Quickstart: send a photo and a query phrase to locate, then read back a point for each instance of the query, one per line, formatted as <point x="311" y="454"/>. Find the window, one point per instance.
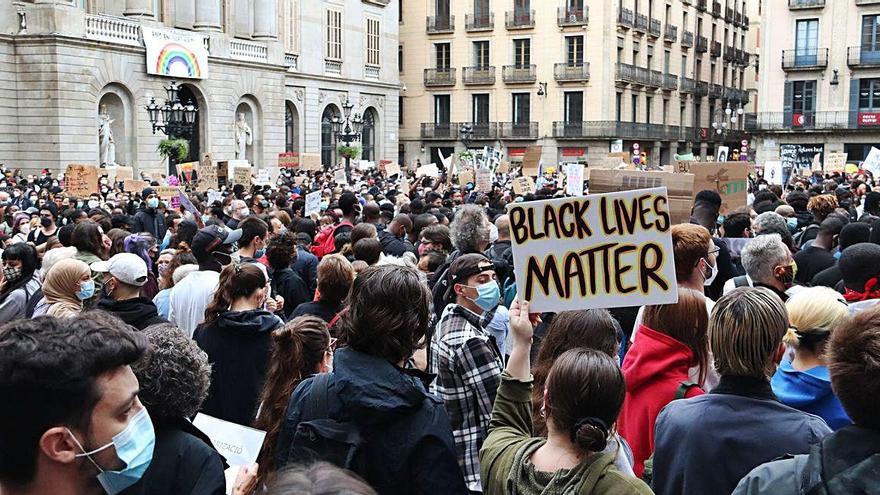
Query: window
<point x="442" y="10"/>
<point x="481" y="11"/>
<point x="665" y="111"/>
<point x="443" y="55"/>
<point x="806" y="42"/>
<point x="619" y="107"/>
<point x="290" y="31"/>
<point x="521" y="9"/>
<point x="328" y="137"/>
<point x="871" y="36"/>
<point x="684" y="20"/>
<point x="400" y="110"/>
<point x="698" y="114"/>
<point x="522" y="53"/>
<point x="634" y="110"/>
<point x="803" y="102"/>
<point x="869" y="94"/>
<point x="400" y="14"/>
<point x="333" y="40"/>
<point x="481" y="109"/>
<point x="373" y="30"/>
<point x="682" y="110"/>
<point x="649" y="102"/>
<point x="441" y="109"/>
<point x="522" y="108"/>
<point x="574" y="107"/>
<point x="290" y="128"/>
<point x="481" y="54"/>
<point x="667" y="55"/>
<point x="368" y="137"/>
<point x="400" y="59"/>
<point x="574" y="52"/>
<point x="684" y="65"/>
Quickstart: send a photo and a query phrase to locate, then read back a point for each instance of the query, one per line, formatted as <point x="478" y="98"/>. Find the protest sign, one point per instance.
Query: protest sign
<point x="872" y="162"/>
<point x="239" y="445"/>
<point x="186" y="170"/>
<point x="531" y="160"/>
<point x="728" y="179"/>
<point x="596" y="251"/>
<point x="339" y="177"/>
<point x="835" y="162"/>
<point x="466" y="177"/>
<point x="166" y="192"/>
<point x="313" y="203"/>
<point x="288" y="160"/>
<point x="274" y="174"/>
<point x="135" y="186"/>
<point x="364" y="165"/>
<point x="523" y="185"/>
<point x="207" y="177"/>
<point x="298" y="180"/>
<point x="429" y="170"/>
<point x="773" y="172"/>
<point x="851" y="168"/>
<point x="574" y="179"/>
<point x="504" y="167"/>
<point x="679" y="187"/>
<point x="215" y="196"/>
<point x="81" y="180"/>
<point x="404" y="186"/>
<point x="187" y="204"/>
<point x="124" y="173"/>
<point x="242" y="175"/>
<point x="263" y="177"/>
<point x="392" y="169"/>
<point x="222" y="173"/>
<point x="484" y="180"/>
<point x="311" y="161"/>
<point x="721" y="153"/>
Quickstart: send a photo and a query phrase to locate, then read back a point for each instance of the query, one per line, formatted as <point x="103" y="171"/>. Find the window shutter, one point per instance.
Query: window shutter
<point x="787" y="104"/>
<point x="854" y="102"/>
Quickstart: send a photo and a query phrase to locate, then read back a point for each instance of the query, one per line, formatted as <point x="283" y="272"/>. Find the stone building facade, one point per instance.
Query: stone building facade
<point x="287" y="65"/>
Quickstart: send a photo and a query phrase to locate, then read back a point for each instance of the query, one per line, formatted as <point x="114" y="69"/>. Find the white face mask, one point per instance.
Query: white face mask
<point x="708" y="281"/>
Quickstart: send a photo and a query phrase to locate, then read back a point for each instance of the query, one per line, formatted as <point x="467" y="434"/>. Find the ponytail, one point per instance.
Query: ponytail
<point x="237" y="280"/>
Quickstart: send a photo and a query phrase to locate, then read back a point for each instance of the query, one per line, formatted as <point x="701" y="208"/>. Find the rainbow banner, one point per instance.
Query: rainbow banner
<point x="173" y="53"/>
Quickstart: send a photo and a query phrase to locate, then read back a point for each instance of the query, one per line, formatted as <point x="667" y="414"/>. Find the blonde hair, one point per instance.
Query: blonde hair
<point x="745" y="330"/>
<point x="816" y="310"/>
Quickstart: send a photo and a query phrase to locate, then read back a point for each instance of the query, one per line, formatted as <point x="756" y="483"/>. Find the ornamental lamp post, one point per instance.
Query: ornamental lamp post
<point x="347" y="129"/>
<point x="174" y="118"/>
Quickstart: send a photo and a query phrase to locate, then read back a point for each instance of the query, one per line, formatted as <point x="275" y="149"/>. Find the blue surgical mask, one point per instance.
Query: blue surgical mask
<point x="792" y="224"/>
<point x="488" y="295"/>
<point x="134" y="446"/>
<point x="153" y="203"/>
<point x="259" y="253"/>
<point x="86" y="290"/>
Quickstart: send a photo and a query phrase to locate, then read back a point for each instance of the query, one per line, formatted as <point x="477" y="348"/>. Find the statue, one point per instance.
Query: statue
<point x="105" y="138"/>
<point x="243" y="137"/>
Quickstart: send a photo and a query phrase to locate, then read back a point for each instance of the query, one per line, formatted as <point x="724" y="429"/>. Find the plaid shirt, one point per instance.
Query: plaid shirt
<point x="468" y="367"/>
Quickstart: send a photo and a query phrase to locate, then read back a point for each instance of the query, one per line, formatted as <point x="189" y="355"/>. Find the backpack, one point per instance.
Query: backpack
<point x="741" y="281"/>
<point x="798" y="238"/>
<point x="858" y="478"/>
<point x="320" y="438"/>
<point x="680" y="393"/>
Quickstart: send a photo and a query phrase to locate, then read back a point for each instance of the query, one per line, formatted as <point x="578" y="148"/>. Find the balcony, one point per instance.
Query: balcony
<point x="440" y="24"/>
<point x="655" y="79"/>
<point x="569" y="72"/>
<point x="737" y="18"/>
<point x="252" y="51"/>
<point x="439" y="77"/>
<point x="671" y="34"/>
<point x="812" y="121"/>
<point x="745" y="23"/>
<point x="519" y="19"/>
<point x="446" y="131"/>
<point x="624" y="18"/>
<point x="687" y="39"/>
<point x="612" y="129"/>
<point x="858" y="57"/>
<point x="728" y="15"/>
<point x="372" y="72"/>
<point x="867" y="2"/>
<point x="474" y="23"/>
<point x="805" y="4"/>
<point x="654" y="28"/>
<point x="729" y="54"/>
<point x="701" y="5"/>
<point x="687" y="86"/>
<point x="701" y="89"/>
<point x="625" y="73"/>
<point x="715" y="90"/>
<point x="113" y="29"/>
<point x="483" y="131"/>
<point x="476" y="76"/>
<point x="715" y="50"/>
<point x="812" y="59"/>
<point x="716" y="10"/>
<point x="519" y="130"/>
<point x="518" y="74"/>
<point x="572" y="17"/>
<point x="333" y="67"/>
<point x="640" y="25"/>
<point x="291" y="61"/>
<point x="670" y="82"/>
<point x="702" y="44"/>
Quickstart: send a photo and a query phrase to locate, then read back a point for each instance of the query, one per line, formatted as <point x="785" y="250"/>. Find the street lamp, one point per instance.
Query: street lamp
<point x="174" y="118"/>
<point x="721" y="119"/>
<point x="347" y="129"/>
<point x="466" y="132"/>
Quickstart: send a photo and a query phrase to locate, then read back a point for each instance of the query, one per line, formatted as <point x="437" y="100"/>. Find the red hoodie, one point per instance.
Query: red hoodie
<point x="653" y="369"/>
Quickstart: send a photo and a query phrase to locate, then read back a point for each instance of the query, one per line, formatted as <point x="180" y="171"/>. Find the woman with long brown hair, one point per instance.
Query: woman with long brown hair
<point x="236" y="335"/>
<point x="300" y="349"/>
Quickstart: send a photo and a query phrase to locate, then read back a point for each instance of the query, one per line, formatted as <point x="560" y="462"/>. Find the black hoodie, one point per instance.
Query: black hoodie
<point x="139" y="312"/>
<point x="238" y="344"/>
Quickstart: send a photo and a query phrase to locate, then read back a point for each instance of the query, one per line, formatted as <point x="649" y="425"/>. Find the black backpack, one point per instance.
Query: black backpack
<point x="320" y="438"/>
<point x="680" y="393"/>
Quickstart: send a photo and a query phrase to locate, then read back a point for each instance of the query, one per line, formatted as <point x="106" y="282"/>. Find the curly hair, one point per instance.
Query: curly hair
<point x="174" y="374"/>
<point x="469" y="230"/>
<point x="822" y="205"/>
<point x="281" y="251"/>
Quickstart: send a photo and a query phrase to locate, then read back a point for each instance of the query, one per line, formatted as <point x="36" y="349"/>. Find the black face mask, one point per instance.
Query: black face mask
<point x="45" y="221"/>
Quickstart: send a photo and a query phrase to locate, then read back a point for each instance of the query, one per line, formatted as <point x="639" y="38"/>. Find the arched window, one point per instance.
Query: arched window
<point x="291" y="128"/>
<point x="368" y="136"/>
<point x="328" y="138"/>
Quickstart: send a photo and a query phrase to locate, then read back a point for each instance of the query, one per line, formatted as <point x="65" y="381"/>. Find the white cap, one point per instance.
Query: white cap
<point x="128" y="268"/>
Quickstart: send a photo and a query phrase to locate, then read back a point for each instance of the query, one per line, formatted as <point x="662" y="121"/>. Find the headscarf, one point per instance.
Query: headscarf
<point x="60" y="287"/>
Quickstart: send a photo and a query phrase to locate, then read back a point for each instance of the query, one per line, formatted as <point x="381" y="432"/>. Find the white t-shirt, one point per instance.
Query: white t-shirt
<point x="190" y="298"/>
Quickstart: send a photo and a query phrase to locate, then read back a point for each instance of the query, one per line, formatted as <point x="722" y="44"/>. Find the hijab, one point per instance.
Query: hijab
<point x="60" y="287"/>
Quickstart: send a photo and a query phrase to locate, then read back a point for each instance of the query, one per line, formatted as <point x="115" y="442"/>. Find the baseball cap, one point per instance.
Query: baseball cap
<point x="127" y="267"/>
<point x="208" y="238"/>
<point x="468" y="265"/>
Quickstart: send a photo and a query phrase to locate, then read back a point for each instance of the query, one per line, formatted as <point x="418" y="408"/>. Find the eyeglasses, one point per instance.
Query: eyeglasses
<point x="331" y="348"/>
<point x="714" y="251"/>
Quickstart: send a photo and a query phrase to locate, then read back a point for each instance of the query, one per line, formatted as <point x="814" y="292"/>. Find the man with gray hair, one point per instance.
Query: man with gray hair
<point x="773" y="223"/>
<point x="469" y="232"/>
<point x="768" y="263"/>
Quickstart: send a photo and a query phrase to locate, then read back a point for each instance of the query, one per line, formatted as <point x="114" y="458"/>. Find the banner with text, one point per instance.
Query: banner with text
<point x="175" y="53"/>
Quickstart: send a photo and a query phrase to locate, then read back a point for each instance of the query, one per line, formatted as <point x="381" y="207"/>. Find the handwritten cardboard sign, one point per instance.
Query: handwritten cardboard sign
<point x="313" y="203"/>
<point x="574" y="179"/>
<point x="311" y="161"/>
<point x="835" y="162"/>
<point x="208" y="178"/>
<point x="136" y="186"/>
<point x="597" y="251"/>
<point x="124" y="173"/>
<point x="679" y="187"/>
<point x="166" y="192"/>
<point x="728" y="179"/>
<point x="238" y="444"/>
<point x="289" y="159"/>
<point x="531" y="160"/>
<point x="429" y="170"/>
<point x="242" y="175"/>
<point x="523" y="185"/>
<point x="81" y="180"/>
<point x="392" y="169"/>
<point x="484" y="180"/>
<point x="466" y="177"/>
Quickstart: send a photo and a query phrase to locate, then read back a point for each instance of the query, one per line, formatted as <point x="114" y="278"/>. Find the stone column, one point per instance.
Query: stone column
<point x="704" y="150"/>
<point x="265" y="20"/>
<point x="655" y="154"/>
<point x="208" y="15"/>
<point x="139" y="8"/>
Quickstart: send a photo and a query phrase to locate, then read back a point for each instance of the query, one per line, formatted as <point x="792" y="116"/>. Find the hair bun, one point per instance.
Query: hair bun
<point x="590" y="434"/>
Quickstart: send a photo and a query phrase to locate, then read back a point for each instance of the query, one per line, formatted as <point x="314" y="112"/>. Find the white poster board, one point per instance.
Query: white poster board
<point x="773" y="172"/>
<point x="313" y="203"/>
<point x="484" y="180"/>
<point x="239" y="445"/>
<point x="339" y="177"/>
<point x="597" y="251"/>
<point x="872" y="162"/>
<point x="175" y="53"/>
<point x="574" y="179"/>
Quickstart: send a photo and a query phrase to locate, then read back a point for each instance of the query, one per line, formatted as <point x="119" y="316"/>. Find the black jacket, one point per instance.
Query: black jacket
<point x="287" y="284"/>
<point x="394" y="246"/>
<point x="238" y="344"/>
<point x="501" y="254"/>
<point x="149" y="220"/>
<point x="139" y="312"/>
<point x="408" y="448"/>
<point x="184" y="462"/>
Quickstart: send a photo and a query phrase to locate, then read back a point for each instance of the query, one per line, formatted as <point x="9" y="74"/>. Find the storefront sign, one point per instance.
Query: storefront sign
<point x="869" y="118"/>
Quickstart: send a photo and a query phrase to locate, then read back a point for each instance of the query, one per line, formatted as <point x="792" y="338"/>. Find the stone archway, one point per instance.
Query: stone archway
<point x="248" y="106"/>
<point x="371" y="135"/>
<point x="115" y="105"/>
<point x="291" y="127"/>
<point x="328" y="138"/>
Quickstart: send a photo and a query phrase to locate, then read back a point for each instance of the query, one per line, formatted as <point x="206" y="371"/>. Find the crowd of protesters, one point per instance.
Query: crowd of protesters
<point x="379" y="344"/>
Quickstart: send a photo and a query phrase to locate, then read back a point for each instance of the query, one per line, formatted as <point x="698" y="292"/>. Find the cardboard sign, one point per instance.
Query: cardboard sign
<point x="186" y="170"/>
<point x="404" y="186"/>
<point x="728" y="179"/>
<point x="504" y="167"/>
<point x="429" y="170"/>
<point x="392" y="169"/>
<point x="679" y="187"/>
<point x="207" y="177"/>
<point x="238" y="444"/>
<point x="466" y="177"/>
<point x="81" y="180"/>
<point x="574" y="179"/>
<point x="288" y="160"/>
<point x="124" y="173"/>
<point x="598" y="251"/>
<point x="773" y="172"/>
<point x="531" y="160"/>
<point x="523" y="185"/>
<point x="364" y="165"/>
<point x="721" y="153"/>
<point x="242" y="175"/>
<point x="484" y="180"/>
<point x="311" y="161"/>
<point x="135" y="186"/>
<point x="215" y="196"/>
<point x="835" y="162"/>
<point x="872" y="162"/>
<point x="166" y="192"/>
<point x="313" y="203"/>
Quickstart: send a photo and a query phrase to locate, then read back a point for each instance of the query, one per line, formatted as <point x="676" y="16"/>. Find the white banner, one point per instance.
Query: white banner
<point x="173" y="53"/>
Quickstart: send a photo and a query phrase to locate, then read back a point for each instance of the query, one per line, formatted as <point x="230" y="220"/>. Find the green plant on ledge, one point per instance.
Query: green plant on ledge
<point x="176" y="149"/>
<point x="352" y="152"/>
<point x="466" y="156"/>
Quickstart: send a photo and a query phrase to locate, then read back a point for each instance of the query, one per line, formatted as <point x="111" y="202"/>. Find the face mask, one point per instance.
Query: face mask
<point x="33" y="199"/>
<point x="162" y="268"/>
<point x="86" y="290"/>
<point x="206" y="218"/>
<point x="423" y="248"/>
<point x="488" y="295"/>
<point x="93" y="204"/>
<point x="762" y="187"/>
<point x="792" y="224"/>
<point x="259" y="253"/>
<point x="220" y="256"/>
<point x="244" y="212"/>
<point x="153" y="203"/>
<point x="25" y="228"/>
<point x="16" y="193"/>
<point x="325" y="205"/>
<point x="45" y="221"/>
<point x="134" y="446"/>
<point x="12" y="274"/>
<point x="787" y="277"/>
<point x="707" y="281"/>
